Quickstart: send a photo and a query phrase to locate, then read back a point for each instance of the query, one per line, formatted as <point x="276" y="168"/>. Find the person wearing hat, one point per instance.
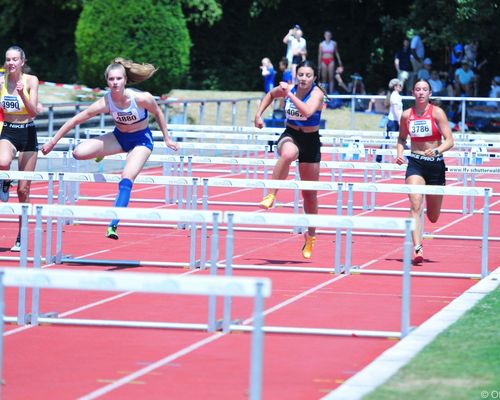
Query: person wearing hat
<point x="456" y="56"/>
<point x="425" y="71"/>
<point x="464" y="79"/>
<point x="395" y="109"/>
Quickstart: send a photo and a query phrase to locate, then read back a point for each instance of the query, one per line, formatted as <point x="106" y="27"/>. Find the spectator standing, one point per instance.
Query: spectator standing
<point x="402" y="63"/>
<point x="417" y="50"/>
<point x="327" y="52"/>
<point x="286" y="76"/>
<point x="456" y="56"/>
<point x="395" y="105"/>
<point x="476" y="62"/>
<point x="286" y="73"/>
<point x="267" y="71"/>
<point x="395" y="110"/>
<point x="288" y="41"/>
<point x="299" y="51"/>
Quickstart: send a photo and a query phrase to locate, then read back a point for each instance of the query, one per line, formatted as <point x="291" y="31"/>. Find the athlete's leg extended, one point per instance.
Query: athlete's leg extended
<point x="433" y="204"/>
<point x="98" y="147"/>
<point x="416" y="206"/>
<point x="136" y="159"/>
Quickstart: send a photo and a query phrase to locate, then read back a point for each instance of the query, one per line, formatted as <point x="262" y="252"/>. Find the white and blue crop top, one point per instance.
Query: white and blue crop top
<point x="127" y="116"/>
<point x="295" y="118"/>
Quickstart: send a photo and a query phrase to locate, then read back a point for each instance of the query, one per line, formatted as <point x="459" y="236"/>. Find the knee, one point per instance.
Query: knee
<point x="77" y="155"/>
<point x="289" y="156"/>
<point x="432" y="217"/>
<point x="4" y="165"/>
<point x="310" y="196"/>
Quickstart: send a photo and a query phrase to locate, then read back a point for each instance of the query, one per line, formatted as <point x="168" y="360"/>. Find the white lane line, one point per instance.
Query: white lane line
<point x="195" y="346"/>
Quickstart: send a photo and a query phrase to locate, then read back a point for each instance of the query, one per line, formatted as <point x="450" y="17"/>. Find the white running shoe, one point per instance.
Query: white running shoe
<point x="4" y="189"/>
<point x="17" y="245"/>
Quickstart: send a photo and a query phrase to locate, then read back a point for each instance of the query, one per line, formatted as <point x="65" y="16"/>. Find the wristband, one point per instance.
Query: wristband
<point x="436" y="152"/>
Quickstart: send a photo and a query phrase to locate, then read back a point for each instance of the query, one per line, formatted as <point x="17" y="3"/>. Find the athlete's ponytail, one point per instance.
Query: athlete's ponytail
<point x="135" y="72"/>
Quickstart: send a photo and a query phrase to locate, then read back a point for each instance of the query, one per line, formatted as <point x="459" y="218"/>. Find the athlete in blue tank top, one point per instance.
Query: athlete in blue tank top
<point x="300" y="140"/>
<point x="129" y="109"/>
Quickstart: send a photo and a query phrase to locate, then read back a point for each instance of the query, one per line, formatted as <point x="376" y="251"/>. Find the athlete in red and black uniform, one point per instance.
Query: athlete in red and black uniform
<point x="430" y="133"/>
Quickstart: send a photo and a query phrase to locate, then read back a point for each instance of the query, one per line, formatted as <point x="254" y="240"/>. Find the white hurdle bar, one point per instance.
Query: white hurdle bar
<point x="193" y="217"/>
<point x="256" y="288"/>
<point x="350" y="188"/>
<point x="483" y="192"/>
<point x="405" y="225"/>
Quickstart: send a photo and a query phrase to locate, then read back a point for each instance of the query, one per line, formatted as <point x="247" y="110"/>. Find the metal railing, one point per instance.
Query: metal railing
<point x="234" y="112"/>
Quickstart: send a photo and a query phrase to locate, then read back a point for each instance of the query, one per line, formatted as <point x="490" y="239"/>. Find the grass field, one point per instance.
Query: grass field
<point x="462" y="363"/>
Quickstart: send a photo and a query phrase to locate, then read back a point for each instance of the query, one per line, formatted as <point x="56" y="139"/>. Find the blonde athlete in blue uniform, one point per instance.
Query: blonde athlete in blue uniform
<point x="129" y="109"/>
<point x="18" y="100"/>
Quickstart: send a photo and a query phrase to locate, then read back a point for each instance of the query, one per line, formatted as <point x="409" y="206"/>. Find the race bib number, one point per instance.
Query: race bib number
<point x="11" y="104"/>
<point x="126" y="117"/>
<point x="292" y="113"/>
<point x="421" y="128"/>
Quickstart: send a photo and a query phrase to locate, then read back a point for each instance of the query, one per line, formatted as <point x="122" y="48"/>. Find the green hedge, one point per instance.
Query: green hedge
<point x="143" y="31"/>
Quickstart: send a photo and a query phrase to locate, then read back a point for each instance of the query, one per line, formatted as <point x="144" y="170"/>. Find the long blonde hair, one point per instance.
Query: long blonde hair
<point x="135" y="72"/>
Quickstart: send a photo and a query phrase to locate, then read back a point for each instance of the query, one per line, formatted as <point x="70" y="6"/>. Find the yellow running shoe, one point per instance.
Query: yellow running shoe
<point x="99" y="159"/>
<point x="268" y="201"/>
<point x="308" y="245"/>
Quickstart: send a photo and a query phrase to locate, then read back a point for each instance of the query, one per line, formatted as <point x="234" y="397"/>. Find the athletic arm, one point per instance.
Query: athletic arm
<point x="320" y="55"/>
<point x="147" y="101"/>
<point x="94" y="109"/>
<point x="32" y="89"/>
<point x="444" y="127"/>
<point x="266" y="101"/>
<point x="314" y="103"/>
<point x="337" y="54"/>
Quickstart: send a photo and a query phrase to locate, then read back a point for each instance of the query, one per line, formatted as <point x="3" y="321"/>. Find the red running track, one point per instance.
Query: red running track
<point x="68" y="362"/>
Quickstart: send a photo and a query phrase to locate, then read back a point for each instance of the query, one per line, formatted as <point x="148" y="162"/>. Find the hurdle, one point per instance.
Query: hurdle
<point x="431" y="190"/>
<point x="106" y="213"/>
<point x="405" y="225"/>
<point x="256" y="288"/>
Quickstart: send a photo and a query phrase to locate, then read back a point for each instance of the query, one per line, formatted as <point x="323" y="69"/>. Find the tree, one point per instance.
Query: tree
<point x="144" y="31"/>
<point x="45" y="31"/>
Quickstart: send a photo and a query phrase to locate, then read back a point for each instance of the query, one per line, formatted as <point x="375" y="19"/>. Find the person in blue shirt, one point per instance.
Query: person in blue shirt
<point x="267" y="71"/>
<point x="300" y="140"/>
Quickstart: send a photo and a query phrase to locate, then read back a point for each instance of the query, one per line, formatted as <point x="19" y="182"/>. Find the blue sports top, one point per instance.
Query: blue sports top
<point x="127" y="116"/>
<point x="295" y="118"/>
